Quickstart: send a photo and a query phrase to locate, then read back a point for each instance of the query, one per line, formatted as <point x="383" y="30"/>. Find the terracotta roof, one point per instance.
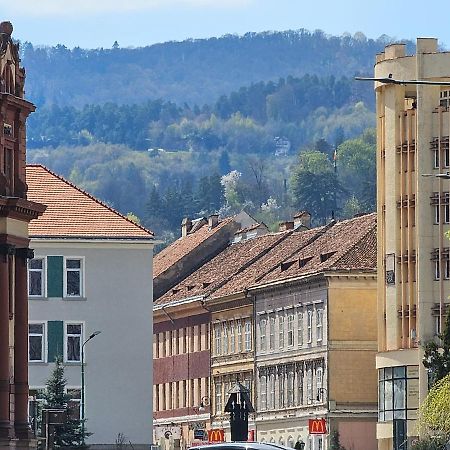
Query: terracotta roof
<point x="222" y="268"/>
<point x="293" y="241"/>
<point x="183" y="246"/>
<point x="73" y="213"/>
<point x="347" y="245"/>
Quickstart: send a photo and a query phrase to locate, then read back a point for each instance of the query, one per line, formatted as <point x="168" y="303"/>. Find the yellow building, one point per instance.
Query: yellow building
<point x="413" y="126"/>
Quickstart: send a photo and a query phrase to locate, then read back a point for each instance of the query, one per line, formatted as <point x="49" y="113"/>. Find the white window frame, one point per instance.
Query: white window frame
<point x="225" y="338"/>
<point x="239" y="336"/>
<point x="218" y="397"/>
<point x="319" y="324"/>
<point x="263" y="392"/>
<point x="218" y="339"/>
<point x="290" y="330"/>
<point x="43" y="274"/>
<point x="290" y="388"/>
<point x="309" y="386"/>
<point x="232" y="338"/>
<point x="82" y="277"/>
<point x="272" y="322"/>
<point x="300" y="329"/>
<point x="66" y="336"/>
<point x="248" y="335"/>
<point x="75" y="388"/>
<point x="272" y="382"/>
<point x="44" y="341"/>
<point x="309" y="325"/>
<point x="262" y="334"/>
<point x="281" y="330"/>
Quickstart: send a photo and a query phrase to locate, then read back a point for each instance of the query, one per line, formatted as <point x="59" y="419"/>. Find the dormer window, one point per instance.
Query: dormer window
<point x="325" y="256"/>
<point x="285" y="265"/>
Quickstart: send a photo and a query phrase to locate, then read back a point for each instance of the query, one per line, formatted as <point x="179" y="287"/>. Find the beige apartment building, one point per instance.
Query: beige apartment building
<point x="413" y="126"/>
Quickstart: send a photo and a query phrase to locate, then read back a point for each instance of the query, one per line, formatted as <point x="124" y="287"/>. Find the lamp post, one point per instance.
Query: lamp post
<point x="92" y="336"/>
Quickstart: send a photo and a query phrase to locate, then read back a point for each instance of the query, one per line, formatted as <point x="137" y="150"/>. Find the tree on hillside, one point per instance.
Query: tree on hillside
<point x="315" y="186"/>
<point x="55" y="396"/>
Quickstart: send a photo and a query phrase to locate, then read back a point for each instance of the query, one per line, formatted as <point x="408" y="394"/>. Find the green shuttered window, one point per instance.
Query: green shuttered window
<point x="55" y="272"/>
<point x="55" y="339"/>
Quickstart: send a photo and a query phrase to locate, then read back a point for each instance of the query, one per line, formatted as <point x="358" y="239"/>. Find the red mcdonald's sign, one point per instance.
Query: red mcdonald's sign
<point x="317" y="426"/>
<point x="216" y="435"/>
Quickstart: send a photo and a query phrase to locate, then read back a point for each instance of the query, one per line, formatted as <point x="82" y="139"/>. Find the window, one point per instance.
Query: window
<point x="290" y="333"/>
<point x="36" y="277"/>
<point x="290" y="389"/>
<point x="262" y="334"/>
<point x="300" y="387"/>
<point x="281" y="386"/>
<point x="36" y="339"/>
<point x="263" y="393"/>
<point x="73" y="279"/>
<point x="218" y="339"/>
<point x="225" y="339"/>
<point x="310" y="315"/>
<point x="436" y="214"/>
<point x="319" y="324"/>
<point x="74" y="404"/>
<point x="300" y="329"/>
<point x="73" y="342"/>
<point x="319" y="384"/>
<point x="447" y="269"/>
<point x="392" y="388"/>
<point x="309" y="386"/>
<point x="272" y="391"/>
<point x="437" y="270"/>
<point x="218" y="395"/>
<point x="248" y="336"/>
<point x="232" y="339"/>
<point x="272" y="333"/>
<point x="281" y="331"/>
<point x="239" y="336"/>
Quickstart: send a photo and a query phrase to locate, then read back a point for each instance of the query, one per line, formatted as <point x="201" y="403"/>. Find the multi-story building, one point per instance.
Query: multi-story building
<point x="91" y="272"/>
<point x="15" y="214"/>
<point x="316" y="338"/>
<point x="413" y="128"/>
<point x="296" y="308"/>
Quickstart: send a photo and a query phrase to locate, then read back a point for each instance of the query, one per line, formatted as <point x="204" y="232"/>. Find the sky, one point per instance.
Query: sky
<point x="137" y="23"/>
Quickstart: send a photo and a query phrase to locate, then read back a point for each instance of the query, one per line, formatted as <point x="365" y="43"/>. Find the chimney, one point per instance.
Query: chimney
<point x="284" y="226"/>
<point x="302" y="219"/>
<point x="213" y="220"/>
<point x="186" y="225"/>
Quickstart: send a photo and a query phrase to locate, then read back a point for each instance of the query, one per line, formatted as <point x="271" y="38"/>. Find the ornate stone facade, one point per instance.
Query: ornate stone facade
<point x="15" y="214"/>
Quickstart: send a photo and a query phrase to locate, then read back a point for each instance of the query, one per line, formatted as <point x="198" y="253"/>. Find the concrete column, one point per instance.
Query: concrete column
<point x="21" y="426"/>
<point x="5" y="425"/>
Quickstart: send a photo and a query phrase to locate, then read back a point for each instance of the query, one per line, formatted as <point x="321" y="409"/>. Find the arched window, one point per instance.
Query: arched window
<point x="281" y="440"/>
<point x="291" y="442"/>
<point x="8" y="80"/>
<point x="272" y="440"/>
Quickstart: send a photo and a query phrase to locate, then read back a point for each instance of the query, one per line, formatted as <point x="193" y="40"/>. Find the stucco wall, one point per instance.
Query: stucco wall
<point x="118" y="283"/>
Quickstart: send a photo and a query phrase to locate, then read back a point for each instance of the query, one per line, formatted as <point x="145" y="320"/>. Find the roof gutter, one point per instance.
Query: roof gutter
<point x="183" y="301"/>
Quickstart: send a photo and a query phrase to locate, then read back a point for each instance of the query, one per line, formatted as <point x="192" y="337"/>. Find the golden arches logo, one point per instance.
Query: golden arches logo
<point x="216" y="435"/>
<point x="317" y="426"/>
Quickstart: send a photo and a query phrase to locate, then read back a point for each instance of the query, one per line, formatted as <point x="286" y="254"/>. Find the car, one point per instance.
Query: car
<point x="242" y="446"/>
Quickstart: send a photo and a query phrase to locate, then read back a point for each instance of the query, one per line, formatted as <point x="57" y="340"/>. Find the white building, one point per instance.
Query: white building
<point x="92" y="271"/>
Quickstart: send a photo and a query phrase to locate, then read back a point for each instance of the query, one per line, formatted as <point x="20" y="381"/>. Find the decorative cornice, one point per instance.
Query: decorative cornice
<point x="25" y="253"/>
<point x="20" y="208"/>
<point x="7" y="250"/>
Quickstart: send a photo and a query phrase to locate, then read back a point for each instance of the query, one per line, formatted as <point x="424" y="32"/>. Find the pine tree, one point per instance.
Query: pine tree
<point x="55" y="396"/>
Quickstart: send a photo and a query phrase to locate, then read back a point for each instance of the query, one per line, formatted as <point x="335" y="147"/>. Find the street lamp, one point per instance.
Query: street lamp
<point x="92" y="336"/>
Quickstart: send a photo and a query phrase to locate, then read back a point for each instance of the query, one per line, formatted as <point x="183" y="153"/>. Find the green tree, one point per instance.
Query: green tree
<point x="437" y="355"/>
<point x="314" y="185"/>
<point x="56" y="396"/>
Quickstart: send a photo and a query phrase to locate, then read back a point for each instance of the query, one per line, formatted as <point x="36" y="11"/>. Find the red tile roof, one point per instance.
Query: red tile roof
<point x="341" y="246"/>
<point x="183" y="246"/>
<point x="347" y="245"/>
<point x="219" y="270"/>
<point x="73" y="213"/>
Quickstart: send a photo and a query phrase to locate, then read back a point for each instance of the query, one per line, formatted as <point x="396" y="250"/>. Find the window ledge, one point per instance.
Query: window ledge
<point x="38" y="363"/>
<point x="38" y="298"/>
<point x="74" y="299"/>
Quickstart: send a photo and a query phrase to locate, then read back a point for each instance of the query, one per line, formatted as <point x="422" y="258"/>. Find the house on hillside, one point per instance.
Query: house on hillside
<point x="91" y="272"/>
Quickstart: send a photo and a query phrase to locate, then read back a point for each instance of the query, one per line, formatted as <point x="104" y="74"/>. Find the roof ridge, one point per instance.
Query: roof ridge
<point x="82" y="191"/>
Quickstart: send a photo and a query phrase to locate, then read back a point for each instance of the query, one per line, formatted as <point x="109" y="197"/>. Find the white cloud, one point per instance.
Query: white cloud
<point x="76" y="7"/>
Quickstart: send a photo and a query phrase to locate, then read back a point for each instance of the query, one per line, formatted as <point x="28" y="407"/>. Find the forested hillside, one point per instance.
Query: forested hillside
<point x="269" y="122"/>
<point x="193" y="71"/>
